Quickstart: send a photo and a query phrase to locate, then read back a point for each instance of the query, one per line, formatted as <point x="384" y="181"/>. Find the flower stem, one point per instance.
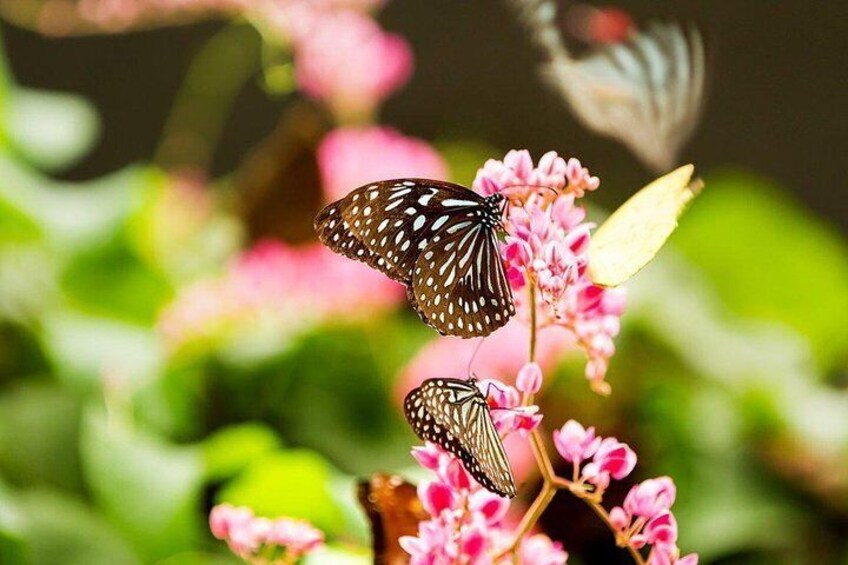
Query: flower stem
<point x="551" y="482"/>
<point x="532" y="288"/>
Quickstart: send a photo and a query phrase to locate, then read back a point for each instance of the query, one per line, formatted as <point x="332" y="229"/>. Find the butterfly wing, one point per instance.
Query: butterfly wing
<point x="453" y="414"/>
<point x="459" y="284"/>
<point x="334" y="232"/>
<point x="394" y="510"/>
<point x="396" y="219"/>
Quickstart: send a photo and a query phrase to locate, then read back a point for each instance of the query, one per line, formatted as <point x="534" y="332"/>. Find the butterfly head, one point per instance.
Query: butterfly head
<point x="494" y="207"/>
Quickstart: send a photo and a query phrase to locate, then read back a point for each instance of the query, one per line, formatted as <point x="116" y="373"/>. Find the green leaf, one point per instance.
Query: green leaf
<point x="50" y="130"/>
<point x="12" y="548"/>
<point x="292" y="483"/>
<point x="74" y="216"/>
<point x="135" y="293"/>
<point x="60" y="529"/>
<point x="15" y="226"/>
<point x="339" y="555"/>
<point x="36" y="449"/>
<point x="770" y="259"/>
<point x="201" y="558"/>
<point x="81" y="348"/>
<point x="149" y="489"/>
<point x="230" y="450"/>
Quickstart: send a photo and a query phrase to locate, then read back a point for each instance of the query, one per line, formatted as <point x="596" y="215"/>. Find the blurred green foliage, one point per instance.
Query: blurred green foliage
<point x="112" y="449"/>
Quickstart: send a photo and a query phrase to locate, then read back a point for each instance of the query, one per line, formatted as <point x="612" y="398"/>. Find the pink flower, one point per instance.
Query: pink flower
<point x="547" y="246"/>
<point x="529" y="378"/>
<point x="579" y="179"/>
<point x="661" y="529"/>
<point x="669" y="555"/>
<point x="492" y="507"/>
<point x="349" y="63"/>
<point x="619" y="518"/>
<point x="278" y="288"/>
<point x="575" y="443"/>
<point x="650" y="497"/>
<point x="351" y="157"/>
<point x="468" y="523"/>
<point x="540" y="550"/>
<point x="436" y="497"/>
<point x="507" y="412"/>
<point x="517" y="176"/>
<point x="248" y="535"/>
<point x="613" y="458"/>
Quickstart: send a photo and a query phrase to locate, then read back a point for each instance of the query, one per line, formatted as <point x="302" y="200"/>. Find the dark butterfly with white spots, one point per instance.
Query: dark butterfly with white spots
<point x="454" y="414"/>
<point x="437" y="238"/>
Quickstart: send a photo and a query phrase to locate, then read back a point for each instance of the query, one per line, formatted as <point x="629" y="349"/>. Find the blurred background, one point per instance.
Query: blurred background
<point x="171" y="336"/>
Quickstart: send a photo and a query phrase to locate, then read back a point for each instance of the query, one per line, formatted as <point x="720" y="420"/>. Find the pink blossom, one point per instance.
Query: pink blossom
<point x="661" y="529"/>
<point x="579" y="179"/>
<point x="647" y="519"/>
<point x="468" y="524"/>
<point x="650" y="497"/>
<point x="518" y="177"/>
<point x="529" y="378"/>
<point x="612" y="459"/>
<point x="540" y="550"/>
<point x="619" y="518"/>
<point x="350" y="157"/>
<point x="669" y="555"/>
<point x="508" y="414"/>
<point x="349" y="63"/>
<point x="276" y="287"/>
<point x="547" y="246"/>
<point x="248" y="535"/>
<point x="575" y="443"/>
<point x="436" y="497"/>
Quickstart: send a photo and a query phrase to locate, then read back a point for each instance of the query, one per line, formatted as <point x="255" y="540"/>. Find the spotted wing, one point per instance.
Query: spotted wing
<point x="334" y="232"/>
<point x="396" y="219"/>
<point x="454" y="414"/>
<point x="459" y="284"/>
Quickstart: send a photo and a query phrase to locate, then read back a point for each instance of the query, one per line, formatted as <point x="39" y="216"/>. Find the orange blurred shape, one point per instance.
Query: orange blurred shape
<point x="394" y="510"/>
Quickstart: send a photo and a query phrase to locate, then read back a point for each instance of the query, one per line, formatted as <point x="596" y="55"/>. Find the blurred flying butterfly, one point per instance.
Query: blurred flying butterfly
<point x="454" y="414"/>
<point x="646" y="91"/>
<point x="437" y="238"/>
<point x="394" y="510"/>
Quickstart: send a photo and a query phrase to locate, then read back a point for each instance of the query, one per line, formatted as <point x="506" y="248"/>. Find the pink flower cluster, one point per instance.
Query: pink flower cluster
<point x="546" y="249"/>
<point x="277" y="285"/>
<point x="468" y="523"/>
<point x="354" y="156"/>
<point x="610" y="459"/>
<point x="645" y="518"/>
<point x="262" y="540"/>
<point x="342" y="56"/>
<point x="349" y="63"/>
<point x="508" y="413"/>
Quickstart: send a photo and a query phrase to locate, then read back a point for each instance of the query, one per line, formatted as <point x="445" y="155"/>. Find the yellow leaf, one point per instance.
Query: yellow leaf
<point x="634" y="233"/>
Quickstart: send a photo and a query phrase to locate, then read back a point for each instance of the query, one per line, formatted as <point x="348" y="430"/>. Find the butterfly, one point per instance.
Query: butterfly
<point x="394" y="510"/>
<point x="647" y="91"/>
<point x="454" y="414"/>
<point x="437" y="238"/>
